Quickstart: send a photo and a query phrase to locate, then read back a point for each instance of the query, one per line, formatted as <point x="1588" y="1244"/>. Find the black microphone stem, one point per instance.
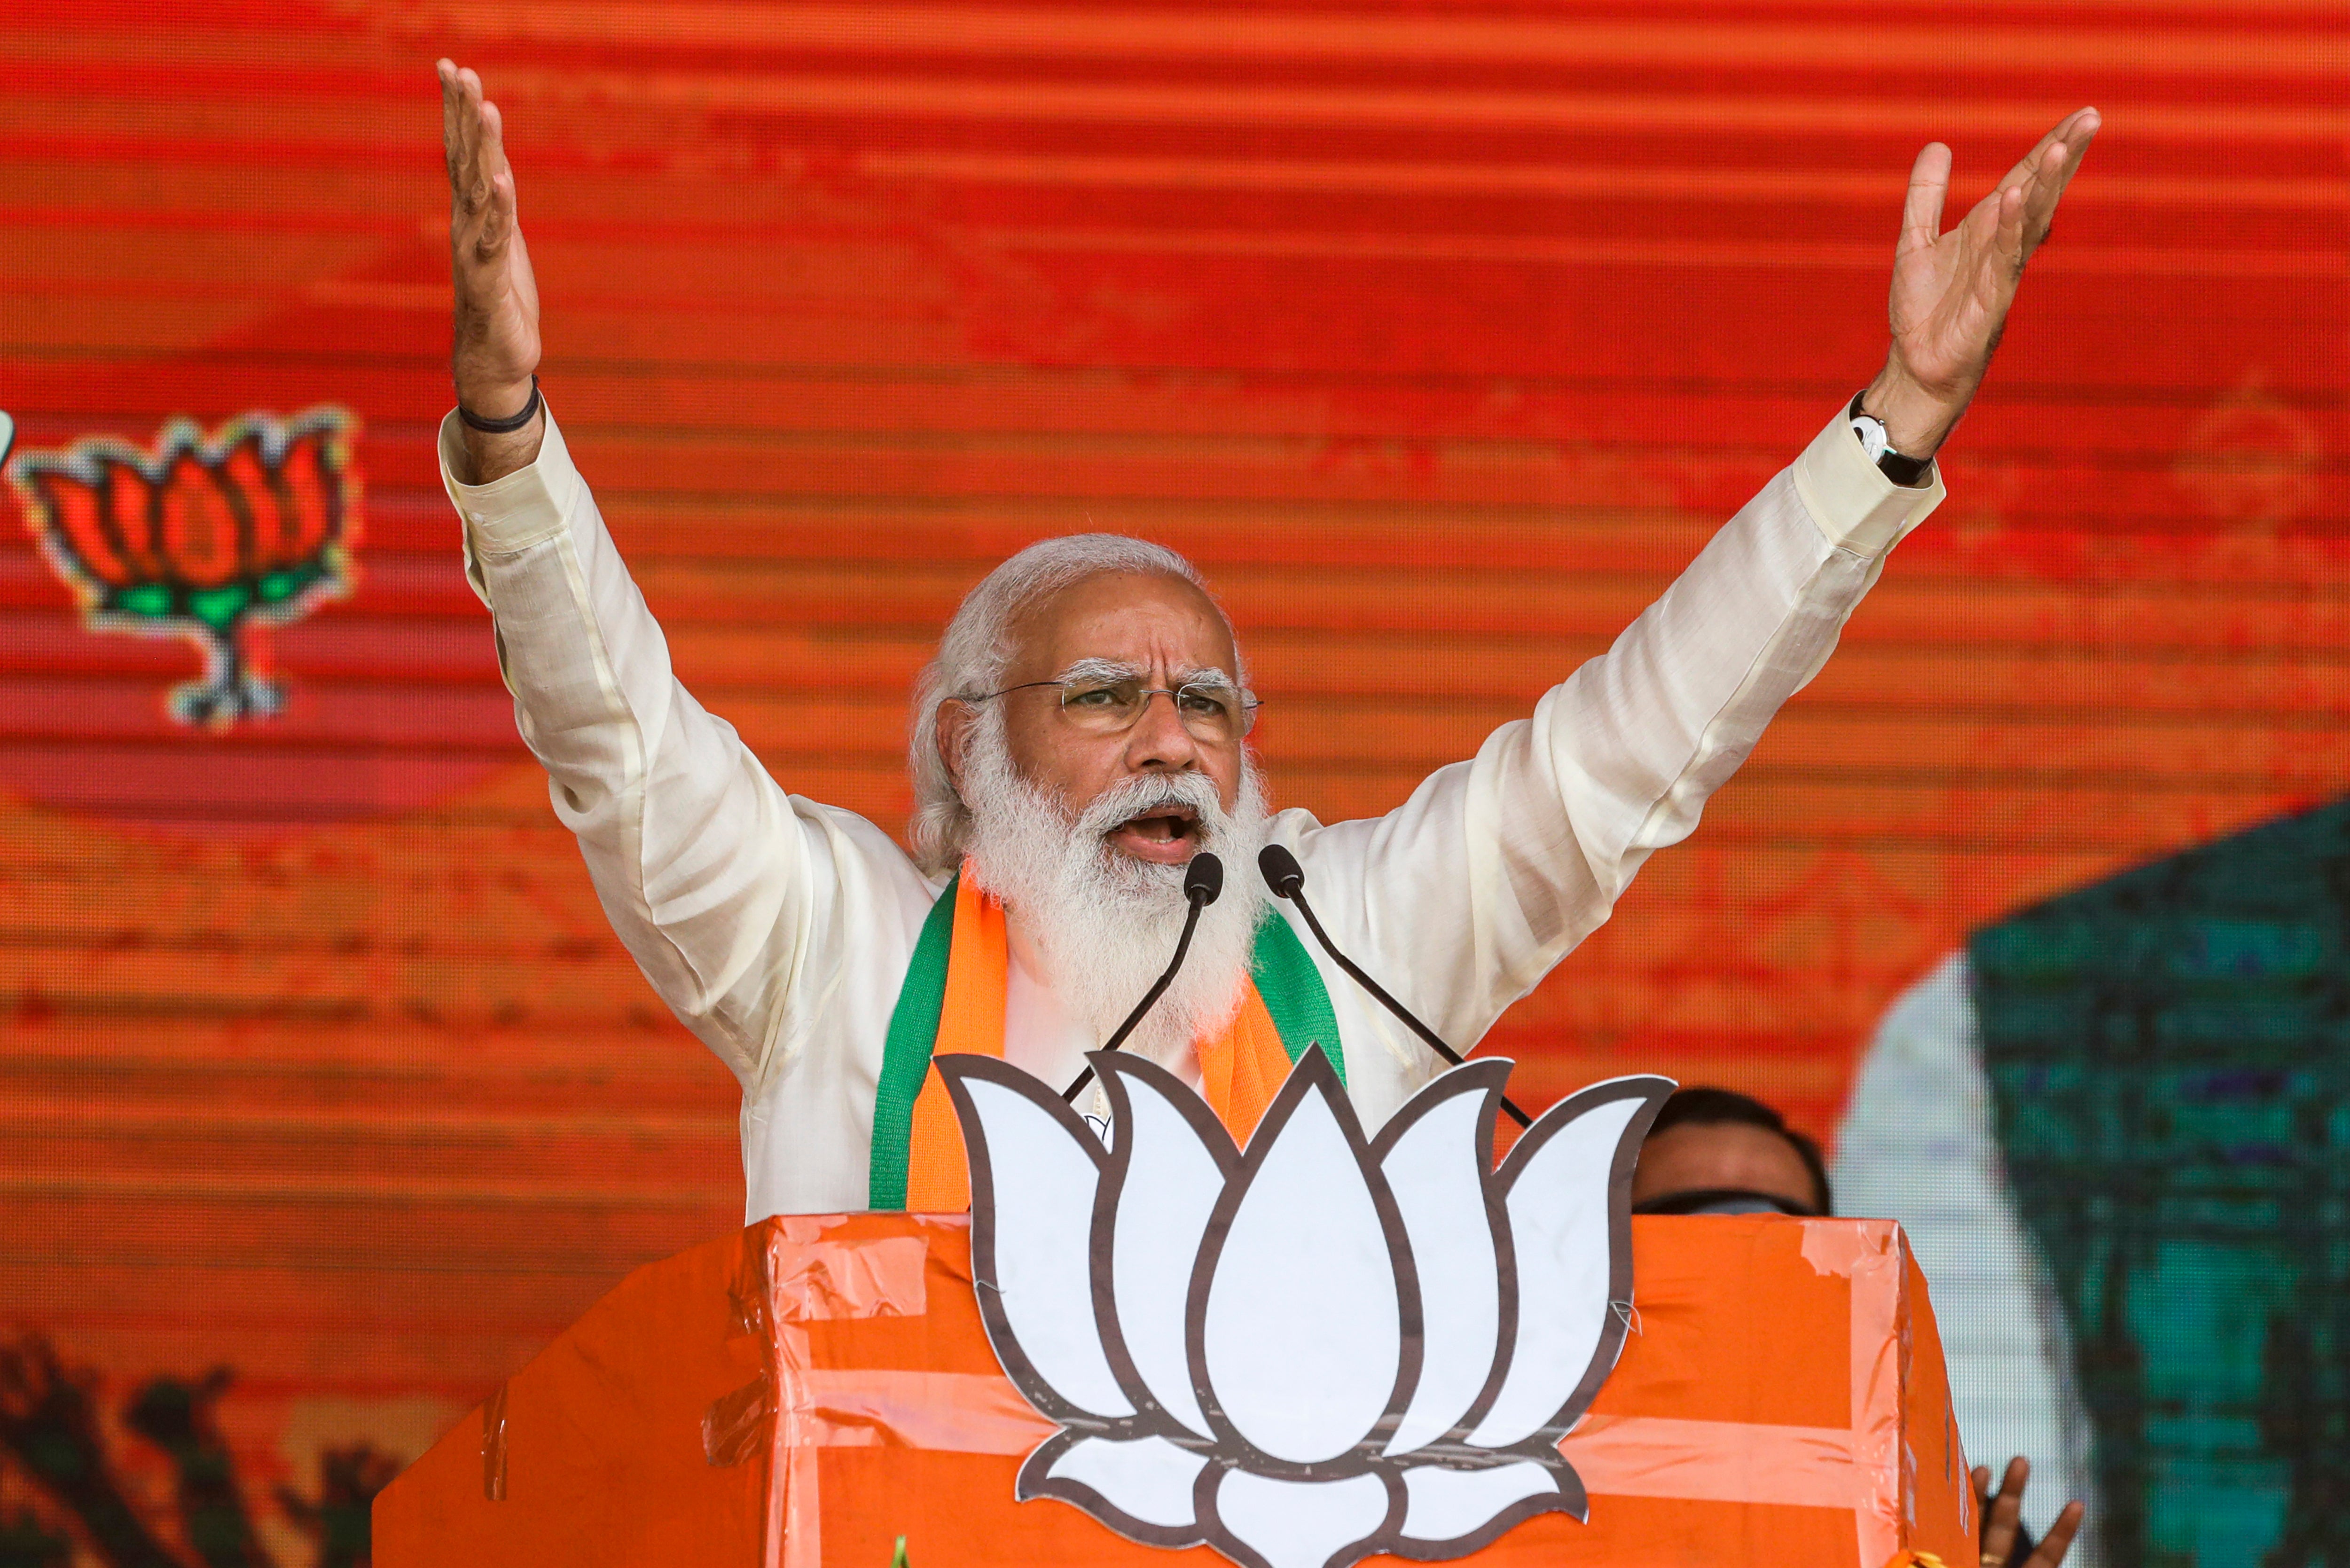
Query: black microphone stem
<point x="1200" y="899"/>
<point x="1296" y="896"/>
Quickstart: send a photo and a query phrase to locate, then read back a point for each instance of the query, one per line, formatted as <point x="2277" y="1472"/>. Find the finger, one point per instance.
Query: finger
<point x="474" y="186"/>
<point x="2000" y="1518"/>
<point x="469" y="118"/>
<point x="2056" y="173"/>
<point x="2008" y="239"/>
<point x="450" y="101"/>
<point x="2039" y="191"/>
<point x="2076" y="132"/>
<point x="1989" y="270"/>
<point x="2028" y="163"/>
<point x="2050" y="1554"/>
<point x="460" y="133"/>
<point x="2034" y="167"/>
<point x="1982" y="1483"/>
<point x="2040" y="197"/>
<point x="1929" y="187"/>
<point x="493" y="142"/>
<point x="2076" y="127"/>
<point x="499" y="174"/>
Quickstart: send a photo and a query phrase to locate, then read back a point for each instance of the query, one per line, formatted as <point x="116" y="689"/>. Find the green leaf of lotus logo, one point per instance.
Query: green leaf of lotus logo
<point x="211" y="538"/>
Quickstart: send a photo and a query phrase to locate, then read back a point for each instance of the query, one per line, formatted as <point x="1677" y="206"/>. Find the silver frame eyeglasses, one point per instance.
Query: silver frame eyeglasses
<point x="1229" y="710"/>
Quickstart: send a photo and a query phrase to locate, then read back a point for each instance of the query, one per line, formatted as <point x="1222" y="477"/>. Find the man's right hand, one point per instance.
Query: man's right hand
<point x="497" y="345"/>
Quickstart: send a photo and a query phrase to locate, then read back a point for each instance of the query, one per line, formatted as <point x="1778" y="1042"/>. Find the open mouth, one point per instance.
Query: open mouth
<point x="1167" y="832"/>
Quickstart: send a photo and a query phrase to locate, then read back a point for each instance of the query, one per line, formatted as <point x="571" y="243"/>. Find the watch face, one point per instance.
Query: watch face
<point x="1871" y="432"/>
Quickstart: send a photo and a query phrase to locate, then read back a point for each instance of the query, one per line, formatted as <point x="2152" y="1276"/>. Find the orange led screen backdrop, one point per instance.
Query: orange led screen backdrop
<point x="1440" y="334"/>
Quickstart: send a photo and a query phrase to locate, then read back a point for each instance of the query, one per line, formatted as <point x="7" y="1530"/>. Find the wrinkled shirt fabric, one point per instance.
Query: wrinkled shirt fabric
<point x="779" y="930"/>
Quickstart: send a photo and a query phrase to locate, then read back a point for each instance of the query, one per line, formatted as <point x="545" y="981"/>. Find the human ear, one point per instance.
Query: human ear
<point x="954" y="719"/>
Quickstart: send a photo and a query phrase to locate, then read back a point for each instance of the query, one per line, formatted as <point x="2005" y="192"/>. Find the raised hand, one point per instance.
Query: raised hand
<point x="497" y="345"/>
<point x="2000" y="1515"/>
<point x="1951" y="291"/>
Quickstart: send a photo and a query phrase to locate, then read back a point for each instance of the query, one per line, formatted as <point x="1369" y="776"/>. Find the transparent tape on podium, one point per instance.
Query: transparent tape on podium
<point x="815" y="1390"/>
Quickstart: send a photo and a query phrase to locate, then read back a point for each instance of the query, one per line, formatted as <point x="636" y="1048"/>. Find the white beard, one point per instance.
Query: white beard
<point x="1106" y="922"/>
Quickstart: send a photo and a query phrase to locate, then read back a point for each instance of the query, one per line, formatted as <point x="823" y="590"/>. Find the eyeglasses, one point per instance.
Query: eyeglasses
<point x="1108" y="706"/>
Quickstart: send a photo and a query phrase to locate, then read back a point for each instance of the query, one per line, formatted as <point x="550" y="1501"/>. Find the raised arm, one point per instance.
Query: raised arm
<point x="495" y="356"/>
<point x="1474" y="889"/>
<point x="734" y="897"/>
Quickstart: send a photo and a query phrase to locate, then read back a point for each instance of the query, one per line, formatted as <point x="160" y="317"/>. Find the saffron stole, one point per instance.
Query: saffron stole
<point x="952" y="1000"/>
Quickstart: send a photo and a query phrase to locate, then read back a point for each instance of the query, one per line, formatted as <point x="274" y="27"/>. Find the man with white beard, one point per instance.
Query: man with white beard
<point x="1059" y="799"/>
<point x="1098" y="915"/>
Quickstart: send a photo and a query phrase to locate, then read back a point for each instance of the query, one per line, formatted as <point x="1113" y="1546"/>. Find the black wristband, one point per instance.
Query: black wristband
<point x="505" y="426"/>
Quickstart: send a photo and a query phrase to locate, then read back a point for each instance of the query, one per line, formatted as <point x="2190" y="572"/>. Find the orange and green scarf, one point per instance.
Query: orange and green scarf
<point x="952" y="1000"/>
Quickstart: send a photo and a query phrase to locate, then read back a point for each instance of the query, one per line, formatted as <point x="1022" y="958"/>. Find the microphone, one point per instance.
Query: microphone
<point x="1286" y="877"/>
<point x="1204" y="882"/>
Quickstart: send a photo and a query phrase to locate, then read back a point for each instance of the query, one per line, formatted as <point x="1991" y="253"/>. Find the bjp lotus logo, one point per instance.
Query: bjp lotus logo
<point x="1321" y="1349"/>
<point x="210" y="538"/>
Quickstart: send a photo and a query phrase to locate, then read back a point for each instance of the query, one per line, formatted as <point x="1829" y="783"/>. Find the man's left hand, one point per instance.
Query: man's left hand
<point x="1951" y="291"/>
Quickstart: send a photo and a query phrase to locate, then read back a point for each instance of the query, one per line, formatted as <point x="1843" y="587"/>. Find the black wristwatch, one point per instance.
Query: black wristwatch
<point x="1900" y="470"/>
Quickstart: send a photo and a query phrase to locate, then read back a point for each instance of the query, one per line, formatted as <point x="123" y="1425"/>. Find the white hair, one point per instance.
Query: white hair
<point x="977" y="646"/>
<point x="1103" y="920"/>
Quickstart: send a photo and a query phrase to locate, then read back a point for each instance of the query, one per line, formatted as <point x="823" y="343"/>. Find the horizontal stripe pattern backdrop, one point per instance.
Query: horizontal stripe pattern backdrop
<point x="1442" y="335"/>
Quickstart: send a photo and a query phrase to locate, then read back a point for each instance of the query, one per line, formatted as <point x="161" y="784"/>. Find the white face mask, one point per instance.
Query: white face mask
<point x="1106" y="922"/>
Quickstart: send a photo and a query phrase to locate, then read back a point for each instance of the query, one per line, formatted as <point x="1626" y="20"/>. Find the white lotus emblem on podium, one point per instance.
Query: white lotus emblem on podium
<point x="1322" y="1348"/>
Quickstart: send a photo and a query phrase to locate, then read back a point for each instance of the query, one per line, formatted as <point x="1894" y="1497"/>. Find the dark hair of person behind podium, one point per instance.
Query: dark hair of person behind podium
<point x="1716" y="1151"/>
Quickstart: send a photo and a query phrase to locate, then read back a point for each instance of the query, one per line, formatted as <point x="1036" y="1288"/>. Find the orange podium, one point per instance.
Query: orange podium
<point x="817" y="1390"/>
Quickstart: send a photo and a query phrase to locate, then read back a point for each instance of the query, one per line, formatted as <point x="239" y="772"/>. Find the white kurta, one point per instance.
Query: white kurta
<point x="779" y="930"/>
